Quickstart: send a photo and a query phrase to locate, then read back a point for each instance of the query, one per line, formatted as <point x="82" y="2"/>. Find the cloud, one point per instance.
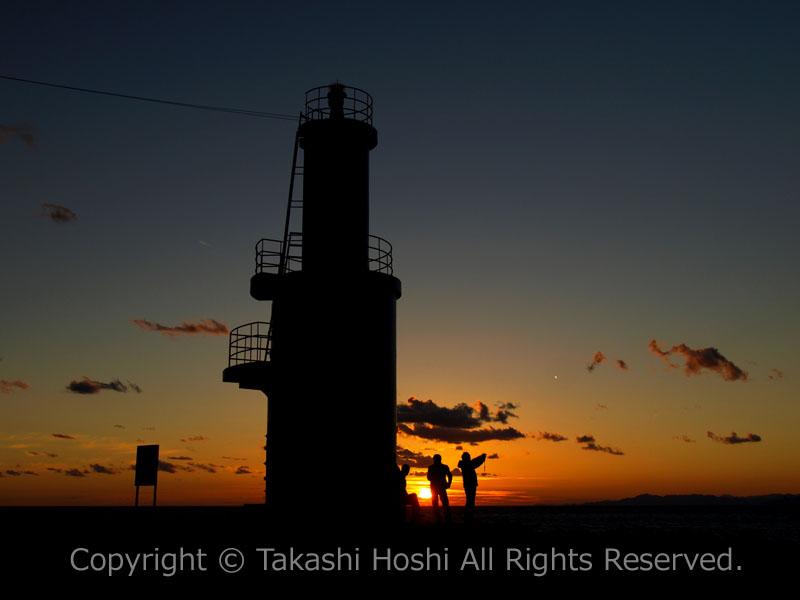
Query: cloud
<point x="596" y="360"/>
<point x="733" y="438"/>
<point x="179" y="457"/>
<point x="589" y="443"/>
<point x="196" y="438"/>
<point x="103" y="470"/>
<point x="54" y="469"/>
<point x="13" y="473"/>
<point x="601" y="406"/>
<point x="598" y="448"/>
<point x="49" y="454"/>
<point x="427" y="411"/>
<point x="456" y="435"/>
<point x="233" y="458"/>
<point x="205" y="326"/>
<point x="6" y="387"/>
<point x="503" y="413"/>
<point x="553" y="437"/>
<point x="120" y="426"/>
<point x="495" y="455"/>
<point x="621" y="364"/>
<point x="653" y="345"/>
<point x="683" y="438"/>
<point x="459" y="424"/>
<point x="777" y="375"/>
<point x="73" y="473"/>
<point x="166" y="467"/>
<point x="58" y="213"/>
<point x="89" y="386"/>
<point x="62" y="436"/>
<point x="243" y="470"/>
<point x="413" y="459"/>
<point x="461" y="416"/>
<point x="703" y="358"/>
<point x="208" y="468"/>
<point x="24" y="132"/>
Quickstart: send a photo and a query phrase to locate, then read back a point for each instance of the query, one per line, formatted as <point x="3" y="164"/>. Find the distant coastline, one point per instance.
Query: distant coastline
<point x="702" y="500"/>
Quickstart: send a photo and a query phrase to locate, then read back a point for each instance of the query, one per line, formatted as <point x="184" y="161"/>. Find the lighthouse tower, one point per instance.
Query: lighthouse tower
<point x="326" y="358"/>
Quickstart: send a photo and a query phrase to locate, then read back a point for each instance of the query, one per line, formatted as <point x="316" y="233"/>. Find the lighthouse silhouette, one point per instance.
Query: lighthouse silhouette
<point x="326" y="359"/>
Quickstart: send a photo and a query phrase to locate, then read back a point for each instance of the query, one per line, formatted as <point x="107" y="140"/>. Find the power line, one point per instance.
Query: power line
<point x="236" y="111"/>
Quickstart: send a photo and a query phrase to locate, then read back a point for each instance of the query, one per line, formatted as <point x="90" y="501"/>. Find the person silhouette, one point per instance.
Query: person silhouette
<point x="468" y="466"/>
<point x="440" y="477"/>
<point x="406" y="499"/>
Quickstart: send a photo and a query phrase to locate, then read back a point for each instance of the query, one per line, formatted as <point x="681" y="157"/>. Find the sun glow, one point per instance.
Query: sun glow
<point x="424" y="492"/>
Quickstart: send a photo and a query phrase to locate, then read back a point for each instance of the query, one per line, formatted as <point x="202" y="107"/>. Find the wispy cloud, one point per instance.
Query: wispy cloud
<point x="90" y="386"/>
<point x="102" y="470"/>
<point x="733" y="438"/>
<point x="62" y="436"/>
<point x="24" y="132"/>
<point x="203" y="327"/>
<point x="621" y="364"/>
<point x="596" y="360"/>
<point x="776" y="374"/>
<point x="699" y="359"/>
<point x="589" y="443"/>
<point x="6" y="387"/>
<point x="243" y="470"/>
<point x="195" y="438"/>
<point x="58" y="214"/>
<point x="208" y="468"/>
<point x="599" y="448"/>
<point x="166" y="467"/>
<point x="553" y="437"/>
<point x="683" y="438"/>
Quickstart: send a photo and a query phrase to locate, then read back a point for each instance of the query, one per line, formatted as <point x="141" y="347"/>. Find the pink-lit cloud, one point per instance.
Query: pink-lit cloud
<point x="203" y="327"/>
<point x="699" y="359"/>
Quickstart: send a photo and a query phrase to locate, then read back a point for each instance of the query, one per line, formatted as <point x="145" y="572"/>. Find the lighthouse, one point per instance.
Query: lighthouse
<point x="326" y="358"/>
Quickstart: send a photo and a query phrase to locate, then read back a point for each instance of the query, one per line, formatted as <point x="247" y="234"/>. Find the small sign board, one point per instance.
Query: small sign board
<point x="146" y="465"/>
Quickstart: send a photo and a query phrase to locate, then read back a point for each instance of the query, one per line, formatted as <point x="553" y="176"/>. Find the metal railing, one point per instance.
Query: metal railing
<point x="249" y="343"/>
<point x="356" y="104"/>
<point x="380" y="255"/>
<point x="270" y="254"/>
<point x="273" y="256"/>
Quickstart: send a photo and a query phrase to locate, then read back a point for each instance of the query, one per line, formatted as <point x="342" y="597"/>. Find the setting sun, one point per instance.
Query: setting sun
<point x="424" y="492"/>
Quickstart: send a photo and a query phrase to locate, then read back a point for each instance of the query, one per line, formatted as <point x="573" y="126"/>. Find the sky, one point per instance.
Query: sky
<point x="557" y="179"/>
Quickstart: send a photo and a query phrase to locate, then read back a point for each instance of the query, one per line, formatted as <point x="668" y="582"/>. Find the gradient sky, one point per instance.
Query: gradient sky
<point x="557" y="179"/>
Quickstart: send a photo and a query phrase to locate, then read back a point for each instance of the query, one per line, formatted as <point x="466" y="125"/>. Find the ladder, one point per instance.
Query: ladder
<point x="292" y="231"/>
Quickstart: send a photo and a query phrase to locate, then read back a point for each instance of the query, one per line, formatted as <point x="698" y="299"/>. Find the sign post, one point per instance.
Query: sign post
<point x="146" y="469"/>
